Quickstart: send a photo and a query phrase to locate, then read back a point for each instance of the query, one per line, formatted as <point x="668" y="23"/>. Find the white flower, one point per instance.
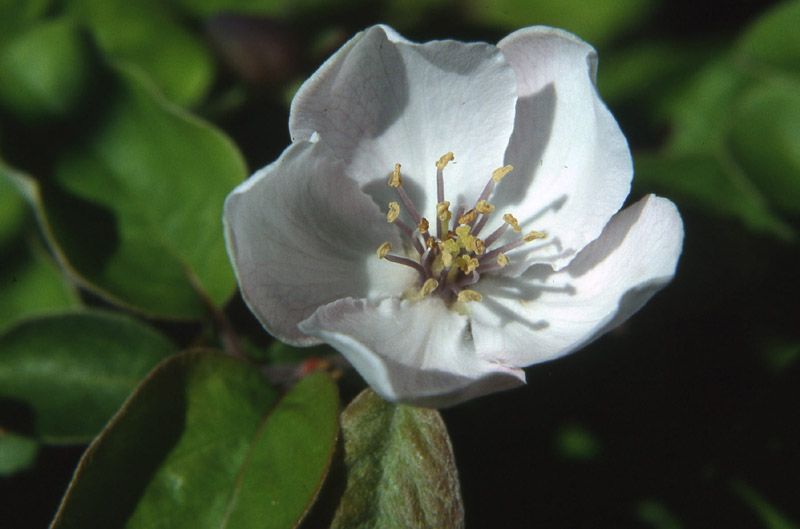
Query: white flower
<point x="388" y="129"/>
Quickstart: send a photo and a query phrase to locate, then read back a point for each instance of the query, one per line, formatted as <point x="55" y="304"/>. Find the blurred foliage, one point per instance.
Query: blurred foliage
<point x="123" y="125"/>
<point x="206" y="441"/>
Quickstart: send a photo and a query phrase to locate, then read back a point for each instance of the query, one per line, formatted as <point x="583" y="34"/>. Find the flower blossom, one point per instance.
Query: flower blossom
<point x="449" y="213"/>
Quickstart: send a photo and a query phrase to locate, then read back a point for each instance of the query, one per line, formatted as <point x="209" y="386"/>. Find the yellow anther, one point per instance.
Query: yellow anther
<point x="443" y="211"/>
<point x="469" y="295"/>
<point x="430" y="243"/>
<point x="396" y="180"/>
<point x="394" y="212"/>
<point x="423" y="225"/>
<point x="462" y="231"/>
<point x="468" y="217"/>
<point x="477" y="245"/>
<point x="498" y="174"/>
<point x="384" y="249"/>
<point x="467" y="264"/>
<point x="502" y="260"/>
<point x="483" y="208"/>
<point x="447" y="259"/>
<point x="514" y="223"/>
<point x="449" y="246"/>
<point x="428" y="286"/>
<point x="444" y="160"/>
<point x="532" y="236"/>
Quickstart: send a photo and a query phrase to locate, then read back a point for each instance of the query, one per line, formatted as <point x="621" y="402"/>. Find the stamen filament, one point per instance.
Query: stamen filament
<point x="405" y="261"/>
<point x="495" y="235"/>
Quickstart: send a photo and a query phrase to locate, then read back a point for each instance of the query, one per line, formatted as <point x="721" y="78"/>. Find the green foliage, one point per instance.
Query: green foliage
<point x="13" y="210"/>
<point x="275" y="8"/>
<point x="734" y="143"/>
<point x="16" y="453"/>
<point x="573" y="441"/>
<point x="207" y="442"/>
<point x="400" y="468"/>
<point x="147" y="189"/>
<point x="43" y="71"/>
<point x="771" y="517"/>
<point x="595" y="22"/>
<point x="147" y="34"/>
<point x="70" y="372"/>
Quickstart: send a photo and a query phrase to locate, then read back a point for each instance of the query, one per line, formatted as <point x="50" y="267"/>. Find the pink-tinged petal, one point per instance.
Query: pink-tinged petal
<point x="381" y="100"/>
<point x="415" y="352"/>
<point x="572" y="165"/>
<point x="301" y="234"/>
<point x="542" y="314"/>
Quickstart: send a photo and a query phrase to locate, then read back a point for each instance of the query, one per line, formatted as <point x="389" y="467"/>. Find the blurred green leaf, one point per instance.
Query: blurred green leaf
<point x="576" y="442"/>
<point x="17" y="453"/>
<point x="400" y="468"/>
<point x="711" y="182"/>
<point x="13" y="210"/>
<point x="31" y="283"/>
<point x="779" y="354"/>
<point x="140" y="222"/>
<point x="734" y="147"/>
<point x="769" y="515"/>
<point x="18" y="16"/>
<point x="773" y="40"/>
<point x="205" y="440"/>
<point x="595" y="22"/>
<point x="62" y="376"/>
<point x="765" y="141"/>
<point x="43" y="71"/>
<point x="277" y="8"/>
<point x="146" y="33"/>
<point x="656" y="515"/>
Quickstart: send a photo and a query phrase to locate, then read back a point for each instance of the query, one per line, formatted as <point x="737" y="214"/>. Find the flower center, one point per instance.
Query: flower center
<point x="453" y="259"/>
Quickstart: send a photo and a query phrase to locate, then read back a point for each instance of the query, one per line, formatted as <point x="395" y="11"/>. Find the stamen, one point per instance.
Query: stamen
<point x="405" y="261"/>
<point x="502" y="260"/>
<point x="396" y="180"/>
<point x="495" y="234"/>
<point x="498" y="174"/>
<point x="443" y="216"/>
<point x="428" y="286"/>
<point x="384" y="249"/>
<point x="477" y="245"/>
<point x="469" y="295"/>
<point x="533" y="235"/>
<point x="394" y="212"/>
<point x="444" y="160"/>
<point x="483" y="208"/>
<point x="468" y="217"/>
<point x="509" y="218"/>
<point x="423" y="226"/>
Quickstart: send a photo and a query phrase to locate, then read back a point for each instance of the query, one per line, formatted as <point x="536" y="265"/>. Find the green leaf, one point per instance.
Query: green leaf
<point x="63" y="376"/>
<point x="205" y="440"/>
<point x="573" y="441"/>
<point x="17" y="453"/>
<point x="734" y="148"/>
<point x="140" y="220"/>
<point x="401" y="471"/>
<point x="772" y="517"/>
<point x="656" y="515"/>
<point x="13" y="210"/>
<point x="595" y="22"/>
<point x="773" y="40"/>
<point x="43" y="71"/>
<point x="276" y="8"/>
<point x="30" y="282"/>
<point x="19" y="16"/>
<point x="147" y="34"/>
<point x="711" y="182"/>
<point x="765" y="141"/>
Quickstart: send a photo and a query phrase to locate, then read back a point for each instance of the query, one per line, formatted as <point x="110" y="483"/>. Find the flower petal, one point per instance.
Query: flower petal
<point x="382" y="100"/>
<point x="300" y="234"/>
<point x="543" y="314"/>
<point x="572" y="165"/>
<point x="416" y="352"/>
